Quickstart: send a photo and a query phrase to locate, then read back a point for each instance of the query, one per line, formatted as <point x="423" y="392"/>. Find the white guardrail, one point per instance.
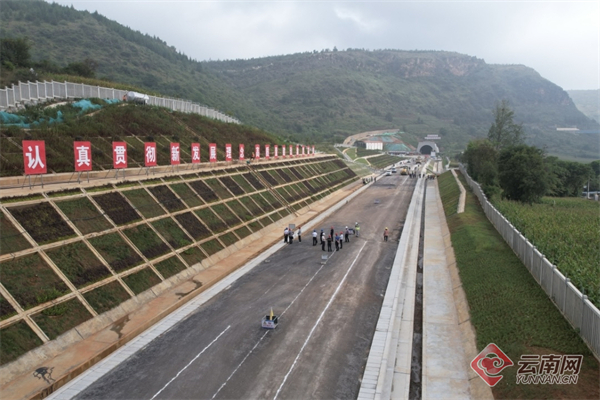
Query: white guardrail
<point x="24" y="93"/>
<point x="574" y="305"/>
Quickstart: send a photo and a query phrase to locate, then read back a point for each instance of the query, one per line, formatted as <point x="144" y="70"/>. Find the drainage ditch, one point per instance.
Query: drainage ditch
<point x="415" y="389"/>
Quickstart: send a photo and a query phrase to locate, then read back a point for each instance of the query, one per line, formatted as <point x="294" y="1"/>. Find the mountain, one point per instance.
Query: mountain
<point x="316" y="96"/>
<point x="588" y="102"/>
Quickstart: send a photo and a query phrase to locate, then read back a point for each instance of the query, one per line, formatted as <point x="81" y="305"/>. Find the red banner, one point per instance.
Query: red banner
<point x="228" y="156"/>
<point x="195" y="153"/>
<point x="175" y="154"/>
<point x="212" y="152"/>
<point x="276" y="151"/>
<point x="303" y="150"/>
<point x="291" y="152"/>
<point x="150" y="154"/>
<point x="83" y="156"/>
<point x="313" y="150"/>
<point x="257" y="151"/>
<point x="242" y="155"/>
<point x="119" y="155"/>
<point x="34" y="157"/>
<point x="297" y="150"/>
<point x="283" y="151"/>
<point x="267" y="151"/>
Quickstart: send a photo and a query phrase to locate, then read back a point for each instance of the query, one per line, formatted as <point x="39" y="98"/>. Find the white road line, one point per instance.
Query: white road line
<point x="337" y="289"/>
<point x="265" y="334"/>
<point x="190" y="363"/>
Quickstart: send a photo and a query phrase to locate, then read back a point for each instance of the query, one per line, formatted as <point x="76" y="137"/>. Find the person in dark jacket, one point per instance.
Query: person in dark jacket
<point x="337" y="242"/>
<point x="347" y="235"/>
<point x="329" y="239"/>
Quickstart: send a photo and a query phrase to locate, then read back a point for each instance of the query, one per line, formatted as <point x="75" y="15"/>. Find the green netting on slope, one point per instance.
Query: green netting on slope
<point x="22" y="122"/>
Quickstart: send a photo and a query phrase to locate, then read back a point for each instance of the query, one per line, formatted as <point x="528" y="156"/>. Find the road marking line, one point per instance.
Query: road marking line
<point x="337" y="289"/>
<point x="190" y="363"/>
<point x="265" y="334"/>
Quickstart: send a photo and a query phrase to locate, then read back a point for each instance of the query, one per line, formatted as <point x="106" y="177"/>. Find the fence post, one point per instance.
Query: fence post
<point x="567" y="280"/>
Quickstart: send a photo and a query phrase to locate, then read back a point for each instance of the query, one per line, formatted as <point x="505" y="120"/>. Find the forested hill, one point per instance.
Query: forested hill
<point x="315" y="96"/>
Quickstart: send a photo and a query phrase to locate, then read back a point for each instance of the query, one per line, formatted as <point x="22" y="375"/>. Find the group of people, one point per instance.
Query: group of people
<point x="288" y="235"/>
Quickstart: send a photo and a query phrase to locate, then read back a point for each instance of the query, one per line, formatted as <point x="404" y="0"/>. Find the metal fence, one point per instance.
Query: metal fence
<point x="30" y="92"/>
<point x="574" y="305"/>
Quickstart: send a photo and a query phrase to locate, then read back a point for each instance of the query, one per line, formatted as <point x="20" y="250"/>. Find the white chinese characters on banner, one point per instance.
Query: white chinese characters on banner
<point x="119" y="155"/>
<point x="195" y="153"/>
<point x="242" y="155"/>
<point x="34" y="157"/>
<point x="174" y="154"/>
<point x="150" y="154"/>
<point x="83" y="156"/>
<point x="212" y="152"/>
<point x="228" y="156"/>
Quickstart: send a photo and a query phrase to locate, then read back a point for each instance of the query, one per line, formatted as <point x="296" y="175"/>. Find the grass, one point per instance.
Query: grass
<point x="243" y="183"/>
<point x="228" y="239"/>
<point x="84" y="215"/>
<point x="192" y="256"/>
<point x="260" y="200"/>
<point x="31" y="281"/>
<point x="42" y="222"/>
<point x="211" y="220"/>
<point x="254" y="209"/>
<point x="144" y="203"/>
<point x="242" y="232"/>
<point x="193" y="226"/>
<point x="78" y="263"/>
<point x="147" y="242"/>
<point x="204" y="191"/>
<point x="117" y="253"/>
<point x="141" y="280"/>
<point x="231" y="184"/>
<point x="63" y="193"/>
<point x="117" y="208"/>
<point x="106" y="297"/>
<point x="449" y="192"/>
<point x="169" y="267"/>
<point x="239" y="210"/>
<point x="11" y="240"/>
<point x="17" y="339"/>
<point x="566" y="231"/>
<point x="508" y="307"/>
<point x="218" y="188"/>
<point x="255" y="226"/>
<point x="58" y="319"/>
<point x="18" y="199"/>
<point x="187" y="195"/>
<point x="226" y="215"/>
<point x="212" y="246"/>
<point x="167" y="198"/>
<point x="102" y="188"/>
<point x="6" y="310"/>
<point x="172" y="233"/>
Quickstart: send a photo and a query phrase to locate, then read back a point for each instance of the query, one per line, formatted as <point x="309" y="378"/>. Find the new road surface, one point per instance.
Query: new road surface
<point x="327" y="315"/>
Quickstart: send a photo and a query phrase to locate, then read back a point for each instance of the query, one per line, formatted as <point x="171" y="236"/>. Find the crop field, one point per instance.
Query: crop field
<point x="17" y="339"/>
<point x="228" y="239"/>
<point x="254" y="181"/>
<point x="226" y="215"/>
<point x="251" y="205"/>
<point x="214" y="223"/>
<point x="233" y="187"/>
<point x="566" y="231"/>
<point x="212" y="246"/>
<point x="239" y="210"/>
<point x="242" y="232"/>
<point x="260" y="200"/>
<point x="84" y="215"/>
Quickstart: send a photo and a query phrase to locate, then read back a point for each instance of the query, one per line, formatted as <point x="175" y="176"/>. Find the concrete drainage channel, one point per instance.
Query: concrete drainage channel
<point x="390" y="363"/>
<point x="416" y="375"/>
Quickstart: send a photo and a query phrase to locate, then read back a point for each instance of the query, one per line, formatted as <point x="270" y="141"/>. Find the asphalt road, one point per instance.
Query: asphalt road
<point x="327" y="316"/>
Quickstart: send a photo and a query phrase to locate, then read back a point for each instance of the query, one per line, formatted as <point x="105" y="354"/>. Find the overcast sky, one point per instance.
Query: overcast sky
<point x="559" y="39"/>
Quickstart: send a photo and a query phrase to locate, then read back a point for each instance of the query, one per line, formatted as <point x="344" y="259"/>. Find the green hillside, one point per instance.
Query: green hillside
<point x="314" y="96"/>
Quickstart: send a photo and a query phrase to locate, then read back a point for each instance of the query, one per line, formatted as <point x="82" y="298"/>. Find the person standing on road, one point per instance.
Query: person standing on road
<point x="337" y="242"/>
<point x="286" y="233"/>
<point x="314" y="236"/>
<point x="356" y="229"/>
<point x="322" y="237"/>
<point x="299" y="234"/>
<point x="329" y="239"/>
<point x="347" y="236"/>
<point x="291" y="236"/>
<point x="332" y="232"/>
<point x="385" y="235"/>
<point x="341" y="240"/>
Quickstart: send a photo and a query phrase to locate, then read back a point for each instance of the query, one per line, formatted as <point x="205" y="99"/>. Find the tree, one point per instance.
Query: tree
<point x="522" y="173"/>
<point x="14" y="52"/>
<point x="504" y="132"/>
<point x="481" y="158"/>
